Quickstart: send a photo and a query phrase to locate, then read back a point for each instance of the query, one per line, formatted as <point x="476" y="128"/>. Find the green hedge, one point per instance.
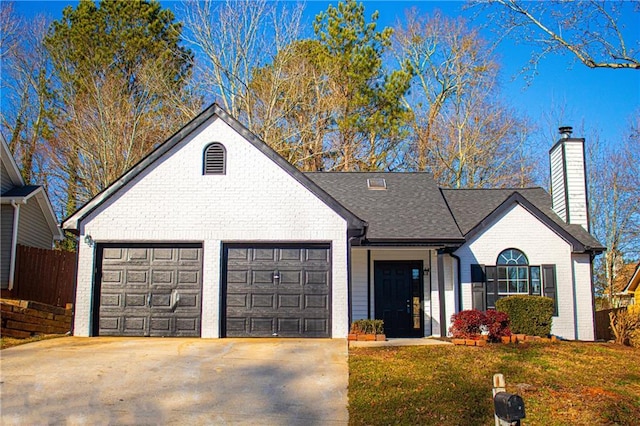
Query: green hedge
<point x="530" y="315"/>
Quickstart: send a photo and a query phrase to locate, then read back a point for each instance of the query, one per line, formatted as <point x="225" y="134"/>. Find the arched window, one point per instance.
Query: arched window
<point x="512" y="257"/>
<point x="215" y="157"/>
<point x="514" y="274"/>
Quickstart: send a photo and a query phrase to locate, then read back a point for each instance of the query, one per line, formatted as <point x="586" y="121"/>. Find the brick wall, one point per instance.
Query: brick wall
<point x="517" y="228"/>
<point x="172" y="201"/>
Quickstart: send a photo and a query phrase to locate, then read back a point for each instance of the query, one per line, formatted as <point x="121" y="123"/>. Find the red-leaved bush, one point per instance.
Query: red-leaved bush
<point x="466" y="324"/>
<point x="469" y="324"/>
<point x="498" y="324"/>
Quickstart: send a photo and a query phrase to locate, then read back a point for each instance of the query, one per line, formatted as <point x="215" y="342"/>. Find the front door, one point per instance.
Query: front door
<point x="398" y="297"/>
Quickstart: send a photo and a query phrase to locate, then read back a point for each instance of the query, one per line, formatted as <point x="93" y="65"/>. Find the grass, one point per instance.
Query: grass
<point x="570" y="383"/>
<point x="9" y="342"/>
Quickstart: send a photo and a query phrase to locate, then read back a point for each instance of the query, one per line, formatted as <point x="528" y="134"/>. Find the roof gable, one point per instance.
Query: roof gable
<point x="355" y="224"/>
<point x="476" y="209"/>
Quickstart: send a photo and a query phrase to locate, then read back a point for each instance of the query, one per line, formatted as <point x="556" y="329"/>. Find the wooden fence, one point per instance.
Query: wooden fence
<point x="45" y="276"/>
<point x="603" y="327"/>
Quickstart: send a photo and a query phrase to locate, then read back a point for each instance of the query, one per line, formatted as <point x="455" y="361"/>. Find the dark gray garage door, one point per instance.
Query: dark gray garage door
<point x="277" y="290"/>
<point x="149" y="290"/>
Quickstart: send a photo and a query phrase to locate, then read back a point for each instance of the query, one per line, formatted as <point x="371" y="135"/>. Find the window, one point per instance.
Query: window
<point x="511" y="275"/>
<point x="214" y="159"/>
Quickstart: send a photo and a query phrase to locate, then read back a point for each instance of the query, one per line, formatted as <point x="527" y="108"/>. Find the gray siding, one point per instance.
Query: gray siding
<point x="33" y="228"/>
<point x="6" y="226"/>
<point x="5" y="180"/>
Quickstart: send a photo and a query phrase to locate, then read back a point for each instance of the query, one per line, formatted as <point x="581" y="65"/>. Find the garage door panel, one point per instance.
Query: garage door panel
<point x="262" y="301"/>
<point x="289" y="301"/>
<point x="135" y="300"/>
<point x="262" y="277"/>
<point x="261" y="326"/>
<point x="281" y="290"/>
<point x="312" y="301"/>
<point x="188" y="278"/>
<point x="150" y="291"/>
<point x="317" y="254"/>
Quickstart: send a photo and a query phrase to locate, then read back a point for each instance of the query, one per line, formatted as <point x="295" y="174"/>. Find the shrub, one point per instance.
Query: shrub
<point x="466" y="324"/>
<point x="471" y="323"/>
<point x="367" y="326"/>
<point x="498" y="324"/>
<point x="625" y="326"/>
<point x="531" y="315"/>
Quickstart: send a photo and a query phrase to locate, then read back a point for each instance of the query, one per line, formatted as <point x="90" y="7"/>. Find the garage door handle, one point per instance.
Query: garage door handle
<point x="175" y="299"/>
<point x="149" y="299"/>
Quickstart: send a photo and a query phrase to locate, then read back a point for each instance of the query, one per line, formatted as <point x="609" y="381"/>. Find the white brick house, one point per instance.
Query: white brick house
<point x="215" y="235"/>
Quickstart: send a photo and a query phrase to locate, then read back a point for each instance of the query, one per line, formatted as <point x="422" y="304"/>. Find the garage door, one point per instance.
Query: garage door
<point x="149" y="290"/>
<point x="277" y="290"/>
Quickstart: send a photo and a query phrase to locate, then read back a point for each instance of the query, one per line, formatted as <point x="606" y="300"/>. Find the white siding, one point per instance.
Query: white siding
<point x="567" y="165"/>
<point x="584" y="297"/>
<point x="359" y="284"/>
<point x="556" y="159"/>
<point x="517" y="228"/>
<point x="576" y="183"/>
<point x="255" y="201"/>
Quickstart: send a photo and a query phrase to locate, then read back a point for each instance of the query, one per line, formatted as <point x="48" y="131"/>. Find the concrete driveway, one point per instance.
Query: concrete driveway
<point x="103" y="380"/>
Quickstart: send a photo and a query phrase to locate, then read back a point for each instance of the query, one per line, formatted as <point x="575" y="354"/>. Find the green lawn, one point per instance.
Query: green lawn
<point x="571" y="384"/>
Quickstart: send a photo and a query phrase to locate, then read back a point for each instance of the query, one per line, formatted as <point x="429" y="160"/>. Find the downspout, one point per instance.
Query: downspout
<point x="459" y="283"/>
<point x="14" y="242"/>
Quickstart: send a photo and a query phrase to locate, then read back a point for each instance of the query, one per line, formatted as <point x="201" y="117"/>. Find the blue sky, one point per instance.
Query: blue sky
<point x="604" y="100"/>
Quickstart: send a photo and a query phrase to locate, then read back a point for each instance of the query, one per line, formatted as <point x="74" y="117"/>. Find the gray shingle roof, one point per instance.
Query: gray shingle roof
<point x="410" y="209"/>
<point x="471" y="206"/>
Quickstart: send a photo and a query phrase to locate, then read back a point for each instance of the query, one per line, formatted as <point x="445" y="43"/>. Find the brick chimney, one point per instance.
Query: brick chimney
<point x="568" y="179"/>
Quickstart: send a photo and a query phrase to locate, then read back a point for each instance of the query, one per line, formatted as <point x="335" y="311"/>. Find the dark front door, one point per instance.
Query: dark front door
<point x="399" y="294"/>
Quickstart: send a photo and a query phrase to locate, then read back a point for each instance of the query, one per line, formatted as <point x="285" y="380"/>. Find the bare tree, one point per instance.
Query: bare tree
<point x="588" y="30"/>
<point x="462" y="132"/>
<point x="26" y="100"/>
<point x="235" y="38"/>
<point x="113" y="106"/>
<point x="291" y="105"/>
<point x="613" y="204"/>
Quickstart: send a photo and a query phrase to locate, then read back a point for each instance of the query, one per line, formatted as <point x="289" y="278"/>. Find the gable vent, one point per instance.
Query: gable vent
<point x="377" y="184"/>
<point x="214" y="159"/>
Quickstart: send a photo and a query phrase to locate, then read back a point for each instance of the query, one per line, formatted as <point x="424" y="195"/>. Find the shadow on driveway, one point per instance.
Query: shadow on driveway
<point x="102" y="380"/>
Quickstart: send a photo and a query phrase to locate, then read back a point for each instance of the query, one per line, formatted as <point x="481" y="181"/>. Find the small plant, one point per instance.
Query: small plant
<point x="530" y="315"/>
<point x="367" y="326"/>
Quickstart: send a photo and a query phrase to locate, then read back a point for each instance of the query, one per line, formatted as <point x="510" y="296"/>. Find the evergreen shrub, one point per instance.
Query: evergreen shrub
<point x="530" y="315"/>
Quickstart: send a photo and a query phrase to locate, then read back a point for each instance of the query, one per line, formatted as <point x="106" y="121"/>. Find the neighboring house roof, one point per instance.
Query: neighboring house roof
<point x="10" y="165"/>
<point x="356" y="225"/>
<point x="410" y="210"/>
<point x="634" y="282"/>
<point x="474" y="209"/>
<point x="20" y="192"/>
